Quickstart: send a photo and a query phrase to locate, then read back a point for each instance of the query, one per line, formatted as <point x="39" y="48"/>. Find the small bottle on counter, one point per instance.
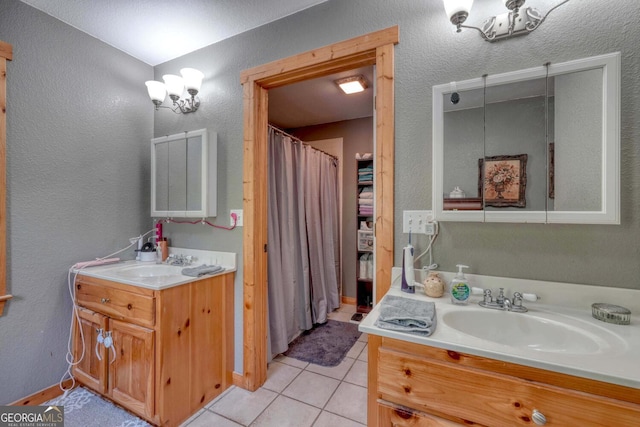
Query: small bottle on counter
<point x="163" y="249"/>
<point x="460" y="289"/>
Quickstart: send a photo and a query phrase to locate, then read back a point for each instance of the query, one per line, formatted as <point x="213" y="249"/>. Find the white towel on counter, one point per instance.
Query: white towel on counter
<point x="407" y="315"/>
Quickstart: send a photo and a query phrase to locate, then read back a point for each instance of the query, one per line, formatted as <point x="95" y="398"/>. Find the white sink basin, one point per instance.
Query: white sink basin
<point x="149" y="271"/>
<point x="540" y="332"/>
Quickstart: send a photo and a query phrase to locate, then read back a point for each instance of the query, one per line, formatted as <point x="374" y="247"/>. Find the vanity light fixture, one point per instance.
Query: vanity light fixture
<point x="352" y="84"/>
<point x="191" y="80"/>
<point x="518" y="21"/>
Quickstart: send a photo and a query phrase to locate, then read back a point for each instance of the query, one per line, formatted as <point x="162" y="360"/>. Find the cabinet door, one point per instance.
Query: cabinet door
<point x="91" y="371"/>
<point x="131" y="372"/>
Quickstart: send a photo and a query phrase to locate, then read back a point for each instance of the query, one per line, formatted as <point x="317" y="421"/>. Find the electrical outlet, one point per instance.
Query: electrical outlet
<point x="419" y="222"/>
<point x="238" y="221"/>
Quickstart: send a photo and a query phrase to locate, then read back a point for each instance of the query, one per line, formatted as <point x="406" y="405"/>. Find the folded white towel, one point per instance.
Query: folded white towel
<point x="201" y="270"/>
<point x="407" y="315"/>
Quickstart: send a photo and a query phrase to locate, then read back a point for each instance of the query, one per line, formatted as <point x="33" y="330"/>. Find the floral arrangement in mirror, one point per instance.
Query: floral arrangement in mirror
<point x="503" y="180"/>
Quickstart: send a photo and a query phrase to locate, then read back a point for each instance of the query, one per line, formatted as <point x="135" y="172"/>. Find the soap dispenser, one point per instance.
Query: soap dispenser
<point x="460" y="289"/>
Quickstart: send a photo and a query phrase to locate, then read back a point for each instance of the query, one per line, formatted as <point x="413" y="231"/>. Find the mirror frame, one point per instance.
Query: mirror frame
<point x="610" y="212"/>
<point x="208" y="192"/>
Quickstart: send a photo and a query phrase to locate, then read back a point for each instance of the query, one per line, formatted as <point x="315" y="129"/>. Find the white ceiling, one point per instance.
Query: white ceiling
<point x="156" y="31"/>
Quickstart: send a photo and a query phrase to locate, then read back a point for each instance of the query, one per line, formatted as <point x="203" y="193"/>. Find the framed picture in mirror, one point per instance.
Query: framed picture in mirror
<point x="503" y="180"/>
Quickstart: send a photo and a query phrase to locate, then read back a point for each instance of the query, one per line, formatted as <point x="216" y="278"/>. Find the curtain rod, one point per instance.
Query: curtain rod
<point x="301" y="141"/>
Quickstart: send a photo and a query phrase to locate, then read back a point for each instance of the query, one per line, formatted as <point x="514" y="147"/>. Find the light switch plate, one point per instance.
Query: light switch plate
<point x="416" y="221"/>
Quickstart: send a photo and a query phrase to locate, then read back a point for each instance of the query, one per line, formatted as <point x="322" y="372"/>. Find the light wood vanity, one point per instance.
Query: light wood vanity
<point x="173" y="347"/>
<point x="455" y="378"/>
<point x="418" y="386"/>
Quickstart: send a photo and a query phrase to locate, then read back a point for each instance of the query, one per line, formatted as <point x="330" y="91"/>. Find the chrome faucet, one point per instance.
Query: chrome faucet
<point x="503" y="303"/>
<point x="179" y="259"/>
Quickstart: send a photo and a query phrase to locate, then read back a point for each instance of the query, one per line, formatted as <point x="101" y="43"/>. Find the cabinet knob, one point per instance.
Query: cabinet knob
<point x="105" y="300"/>
<point x="538" y="418"/>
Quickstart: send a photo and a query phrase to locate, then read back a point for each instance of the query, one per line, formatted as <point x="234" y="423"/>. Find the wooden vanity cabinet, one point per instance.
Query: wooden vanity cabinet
<point x="173" y="347"/>
<point x="416" y="385"/>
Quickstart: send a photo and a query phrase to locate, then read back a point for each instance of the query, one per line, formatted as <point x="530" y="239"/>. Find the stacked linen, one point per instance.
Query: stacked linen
<point x="365" y="201"/>
<point x="365" y="174"/>
<point x="407" y="315"/>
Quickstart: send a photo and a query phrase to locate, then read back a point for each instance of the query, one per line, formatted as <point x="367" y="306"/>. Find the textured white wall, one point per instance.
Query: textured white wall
<point x="431" y="53"/>
<point x="79" y="123"/>
<point x="112" y="195"/>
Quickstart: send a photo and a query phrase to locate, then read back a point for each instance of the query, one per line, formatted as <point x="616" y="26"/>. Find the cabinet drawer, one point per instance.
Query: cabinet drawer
<point x="117" y="303"/>
<point x="390" y="415"/>
<point x="491" y="399"/>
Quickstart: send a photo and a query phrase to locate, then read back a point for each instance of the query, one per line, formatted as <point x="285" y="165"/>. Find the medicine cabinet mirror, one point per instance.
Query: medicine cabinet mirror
<point x="184" y="175"/>
<point x="536" y="145"/>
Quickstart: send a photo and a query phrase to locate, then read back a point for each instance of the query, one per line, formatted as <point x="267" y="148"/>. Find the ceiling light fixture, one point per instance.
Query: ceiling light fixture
<point x="175" y="85"/>
<point x="352" y="84"/>
<point x="518" y="21"/>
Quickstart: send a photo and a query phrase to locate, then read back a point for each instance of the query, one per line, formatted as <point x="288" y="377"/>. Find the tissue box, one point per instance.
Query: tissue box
<point x="365" y="240"/>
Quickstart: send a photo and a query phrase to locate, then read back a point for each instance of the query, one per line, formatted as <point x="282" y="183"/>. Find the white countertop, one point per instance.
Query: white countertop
<point x="171" y="275"/>
<point x="617" y="363"/>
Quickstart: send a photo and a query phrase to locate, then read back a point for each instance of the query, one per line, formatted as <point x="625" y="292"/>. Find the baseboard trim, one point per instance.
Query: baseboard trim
<point x="348" y="300"/>
<point x="238" y="379"/>
<point x="39" y="397"/>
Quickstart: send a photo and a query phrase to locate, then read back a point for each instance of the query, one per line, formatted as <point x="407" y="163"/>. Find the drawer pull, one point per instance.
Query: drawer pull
<point x="105" y="300"/>
<point x="538" y="418"/>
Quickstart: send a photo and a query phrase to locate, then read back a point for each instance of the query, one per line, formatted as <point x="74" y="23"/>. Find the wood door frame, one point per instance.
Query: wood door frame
<point x="375" y="48"/>
<point x="6" y="54"/>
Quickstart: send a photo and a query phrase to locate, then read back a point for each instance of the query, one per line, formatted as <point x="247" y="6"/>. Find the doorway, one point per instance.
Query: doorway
<point x="372" y="49"/>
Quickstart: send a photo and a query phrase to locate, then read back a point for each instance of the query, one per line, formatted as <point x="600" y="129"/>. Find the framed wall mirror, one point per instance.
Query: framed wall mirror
<point x="536" y="145"/>
<point x="184" y="175"/>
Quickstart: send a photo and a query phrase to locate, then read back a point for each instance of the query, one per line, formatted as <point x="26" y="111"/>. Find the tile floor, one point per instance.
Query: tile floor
<point x="298" y="394"/>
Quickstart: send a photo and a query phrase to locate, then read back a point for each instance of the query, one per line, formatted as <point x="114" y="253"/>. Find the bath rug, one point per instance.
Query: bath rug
<point x="326" y="344"/>
<point x="83" y="408"/>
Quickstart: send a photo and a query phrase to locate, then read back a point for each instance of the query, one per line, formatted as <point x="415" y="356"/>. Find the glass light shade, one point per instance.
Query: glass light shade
<point x="157" y="90"/>
<point x="512" y="4"/>
<point x="452" y="7"/>
<point x="174" y="84"/>
<point x="353" y="84"/>
<point x="192" y="78"/>
<point x="351" y="87"/>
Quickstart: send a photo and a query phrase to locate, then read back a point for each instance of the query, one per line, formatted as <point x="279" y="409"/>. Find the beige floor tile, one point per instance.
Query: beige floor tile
<point x="327" y="419"/>
<point x="208" y="419"/>
<point x="347" y="308"/>
<point x="363" y="337"/>
<point x="357" y="374"/>
<point x="193" y="417"/>
<point x="364" y="354"/>
<point x="290" y="361"/>
<point x="279" y="376"/>
<point x="349" y="401"/>
<point x="311" y="388"/>
<point x="340" y="316"/>
<point x="285" y="412"/>
<point x="337" y="372"/>
<point x="243" y="406"/>
<point x="356" y="349"/>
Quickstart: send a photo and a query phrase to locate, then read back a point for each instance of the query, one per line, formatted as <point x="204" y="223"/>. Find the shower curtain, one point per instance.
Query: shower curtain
<point x="303" y="238"/>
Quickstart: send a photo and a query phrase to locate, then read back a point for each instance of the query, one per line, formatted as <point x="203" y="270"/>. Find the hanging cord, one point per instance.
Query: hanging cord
<point x="432" y="265"/>
<point x="75" y="317"/>
<point x="203" y="221"/>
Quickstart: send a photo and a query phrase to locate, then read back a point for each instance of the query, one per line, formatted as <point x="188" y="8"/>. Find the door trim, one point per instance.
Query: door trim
<point x="375" y="48"/>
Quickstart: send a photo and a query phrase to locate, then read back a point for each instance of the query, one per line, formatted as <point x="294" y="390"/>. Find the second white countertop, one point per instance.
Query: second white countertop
<point x="617" y="363"/>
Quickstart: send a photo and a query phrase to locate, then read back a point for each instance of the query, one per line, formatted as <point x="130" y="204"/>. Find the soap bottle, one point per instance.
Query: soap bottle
<point x="460" y="289"/>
